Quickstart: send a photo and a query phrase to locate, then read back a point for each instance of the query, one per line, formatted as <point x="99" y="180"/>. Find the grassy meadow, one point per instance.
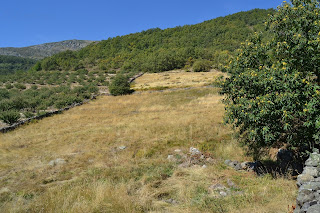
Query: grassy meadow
<point x="100" y="177"/>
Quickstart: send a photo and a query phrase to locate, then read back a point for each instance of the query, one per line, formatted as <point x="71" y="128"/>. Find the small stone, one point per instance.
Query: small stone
<point x="58" y="161"/>
<point x="227" y="162"/>
<point x="313" y="160"/>
<point x="311" y="171"/>
<point x="217" y="186"/>
<point x="304" y="196"/>
<point x="233" y="164"/>
<point x="303" y="178"/>
<point x="194" y="151"/>
<point x="314" y="209"/>
<point x="177" y="150"/>
<point x="204" y="166"/>
<point x="223" y="193"/>
<point x="245" y="165"/>
<point x="184" y="165"/>
<point x="171" y="158"/>
<point x="122" y="147"/>
<point x="231" y="183"/>
<point x="171" y="201"/>
<point x="238" y="167"/>
<point x="314" y="186"/>
<point x="305" y="207"/>
<point x="210" y="160"/>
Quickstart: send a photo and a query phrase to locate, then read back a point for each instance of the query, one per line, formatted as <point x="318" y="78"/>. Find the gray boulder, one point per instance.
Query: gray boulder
<point x="314" y="209"/>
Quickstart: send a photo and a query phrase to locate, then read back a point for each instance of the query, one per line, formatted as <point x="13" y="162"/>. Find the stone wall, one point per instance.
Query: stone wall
<point x="48" y="114"/>
<point x="38" y="117"/>
<point x="308" y="200"/>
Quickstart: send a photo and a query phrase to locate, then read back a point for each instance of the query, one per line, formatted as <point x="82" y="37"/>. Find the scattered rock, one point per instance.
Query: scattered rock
<point x="227" y="162"/>
<point x="171" y="158"/>
<point x="171" y="201"/>
<point x="223" y="193"/>
<point x="234" y="164"/>
<point x="122" y="147"/>
<point x="217" y="186"/>
<point x="220" y="190"/>
<point x="193" y="159"/>
<point x="194" y="151"/>
<point x="231" y="183"/>
<point x="184" y="165"/>
<point x="58" y="161"/>
<point x="204" y="166"/>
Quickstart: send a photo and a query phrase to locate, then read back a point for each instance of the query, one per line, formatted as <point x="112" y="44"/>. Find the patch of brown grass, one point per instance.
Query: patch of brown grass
<point x="175" y="79"/>
<point x="98" y="177"/>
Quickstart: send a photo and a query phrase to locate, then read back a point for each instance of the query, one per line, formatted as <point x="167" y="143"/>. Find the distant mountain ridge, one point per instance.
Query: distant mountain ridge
<point x="44" y="50"/>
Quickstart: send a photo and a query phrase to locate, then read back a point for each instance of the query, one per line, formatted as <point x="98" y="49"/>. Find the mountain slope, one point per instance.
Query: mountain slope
<point x="10" y="64"/>
<point x="98" y="175"/>
<point x="44" y="50"/>
<point x="160" y="50"/>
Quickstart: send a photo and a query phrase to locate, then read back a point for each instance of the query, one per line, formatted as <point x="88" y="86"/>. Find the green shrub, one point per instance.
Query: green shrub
<point x="9" y="86"/>
<point x="4" y="94"/>
<point x="201" y="66"/>
<point x="28" y="114"/>
<point x="120" y="85"/>
<point x="10" y="117"/>
<point x="20" y="86"/>
<point x="273" y="92"/>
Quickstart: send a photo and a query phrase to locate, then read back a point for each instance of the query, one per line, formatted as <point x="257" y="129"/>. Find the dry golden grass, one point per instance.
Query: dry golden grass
<point x="175" y="79"/>
<point x="98" y="177"/>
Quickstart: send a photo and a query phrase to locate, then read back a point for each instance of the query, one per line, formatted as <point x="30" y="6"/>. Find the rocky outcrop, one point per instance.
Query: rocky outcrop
<point x="308" y="200"/>
<point x="44" y="50"/>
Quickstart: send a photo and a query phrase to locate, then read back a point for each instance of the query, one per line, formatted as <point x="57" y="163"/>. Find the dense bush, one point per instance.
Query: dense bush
<point x="20" y="86"/>
<point x="10" y="117"/>
<point x="273" y="93"/>
<point x="201" y="66"/>
<point x="120" y="85"/>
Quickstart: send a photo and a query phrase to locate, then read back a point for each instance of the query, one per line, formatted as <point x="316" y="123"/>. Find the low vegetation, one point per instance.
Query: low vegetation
<point x="100" y="177"/>
<point x="35" y="92"/>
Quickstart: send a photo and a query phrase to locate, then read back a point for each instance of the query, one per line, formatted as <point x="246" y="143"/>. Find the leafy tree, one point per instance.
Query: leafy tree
<point x="120" y="85"/>
<point x="273" y="93"/>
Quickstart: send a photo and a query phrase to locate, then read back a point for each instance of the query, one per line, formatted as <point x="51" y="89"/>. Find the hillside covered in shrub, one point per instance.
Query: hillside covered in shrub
<point x="11" y="64"/>
<point x="156" y="50"/>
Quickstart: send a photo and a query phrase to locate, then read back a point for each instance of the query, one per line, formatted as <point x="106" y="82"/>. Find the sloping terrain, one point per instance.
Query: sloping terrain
<point x="162" y="50"/>
<point x="11" y="64"/>
<point x="110" y="155"/>
<point x="44" y="50"/>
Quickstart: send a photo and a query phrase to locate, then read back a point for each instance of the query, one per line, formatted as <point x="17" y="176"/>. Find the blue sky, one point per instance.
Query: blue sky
<point x="29" y="22"/>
